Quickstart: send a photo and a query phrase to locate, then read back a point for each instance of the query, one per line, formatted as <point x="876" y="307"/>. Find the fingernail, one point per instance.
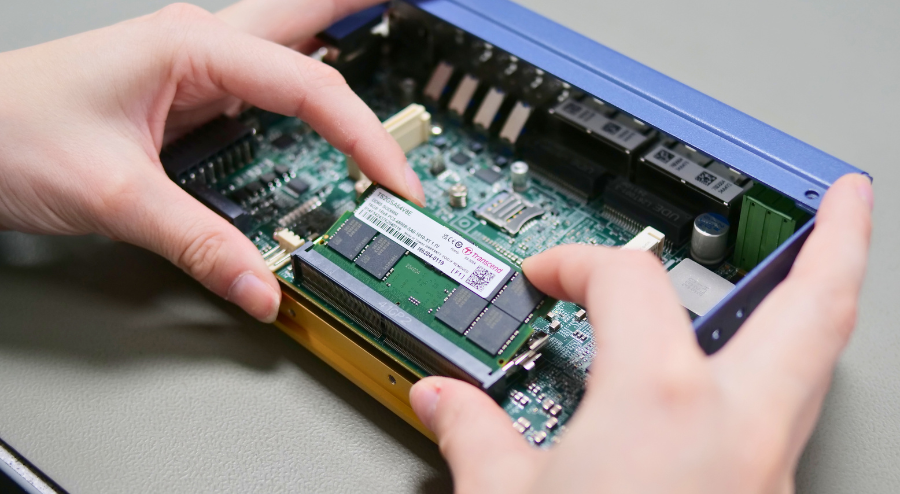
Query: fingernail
<point x="865" y="193"/>
<point x="414" y="186"/>
<point x="254" y="296"/>
<point x="424" y="398"/>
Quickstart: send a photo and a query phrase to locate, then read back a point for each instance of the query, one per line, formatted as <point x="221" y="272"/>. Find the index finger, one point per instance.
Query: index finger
<point x="281" y="80"/>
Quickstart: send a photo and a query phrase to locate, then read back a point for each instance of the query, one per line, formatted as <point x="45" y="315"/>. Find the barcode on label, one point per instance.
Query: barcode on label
<point x="410" y="243"/>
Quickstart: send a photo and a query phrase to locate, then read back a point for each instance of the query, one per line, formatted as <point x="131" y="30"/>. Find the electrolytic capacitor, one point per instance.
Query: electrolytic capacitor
<point x="458" y="195"/>
<point x="709" y="240"/>
<point x="518" y="172"/>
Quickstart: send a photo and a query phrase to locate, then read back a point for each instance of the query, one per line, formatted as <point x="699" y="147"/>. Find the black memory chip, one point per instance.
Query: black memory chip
<point x="461" y="308"/>
<point x="488" y="175"/>
<point x="351" y="238"/>
<point x="493" y="330"/>
<point x="459" y="159"/>
<point x="519" y="298"/>
<point x="283" y="141"/>
<point x="381" y="255"/>
<point x="298" y="185"/>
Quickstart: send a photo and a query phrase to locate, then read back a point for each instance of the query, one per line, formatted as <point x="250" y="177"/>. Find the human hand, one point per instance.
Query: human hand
<point x="82" y="121"/>
<point x="659" y="415"/>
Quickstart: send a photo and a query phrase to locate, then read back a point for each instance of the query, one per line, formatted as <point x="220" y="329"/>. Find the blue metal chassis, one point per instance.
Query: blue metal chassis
<point x="770" y="156"/>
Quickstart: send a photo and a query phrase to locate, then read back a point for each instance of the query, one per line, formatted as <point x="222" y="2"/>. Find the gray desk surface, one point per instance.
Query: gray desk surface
<point x="118" y="373"/>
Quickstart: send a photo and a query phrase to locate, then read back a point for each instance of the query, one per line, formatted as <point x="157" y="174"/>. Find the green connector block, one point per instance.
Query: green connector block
<point x="767" y="220"/>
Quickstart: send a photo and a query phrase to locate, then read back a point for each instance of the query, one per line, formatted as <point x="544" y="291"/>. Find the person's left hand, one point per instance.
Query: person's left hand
<point x="83" y="119"/>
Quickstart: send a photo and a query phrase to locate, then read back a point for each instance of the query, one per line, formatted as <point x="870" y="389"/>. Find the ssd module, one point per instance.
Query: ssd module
<point x="437" y="297"/>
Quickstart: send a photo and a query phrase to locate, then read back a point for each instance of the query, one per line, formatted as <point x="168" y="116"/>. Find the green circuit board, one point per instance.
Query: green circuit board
<point x="291" y="152"/>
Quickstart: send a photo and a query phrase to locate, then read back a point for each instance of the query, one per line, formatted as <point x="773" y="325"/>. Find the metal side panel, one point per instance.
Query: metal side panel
<point x="770" y="156"/>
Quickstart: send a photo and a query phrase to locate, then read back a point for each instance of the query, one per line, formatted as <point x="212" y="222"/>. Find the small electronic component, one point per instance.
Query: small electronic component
<point x="515" y="122"/>
<point x="647" y="209"/>
<point x="461" y="309"/>
<point x="488" y="176"/>
<point x="581" y="315"/>
<point x="222" y="206"/>
<point x="283" y="141"/>
<point x="437" y="165"/>
<point x="380" y="256"/>
<point x="288" y="240"/>
<point x="459" y="193"/>
<point x="410" y="127"/>
<point x="267" y="178"/>
<point x="438" y="81"/>
<point x="254" y="188"/>
<point x="547" y="403"/>
<point x="521" y="425"/>
<point x="351" y="238"/>
<point x="462" y="97"/>
<point x="519" y="298"/>
<point x="709" y="240"/>
<point x="551" y="423"/>
<point x="460" y="159"/>
<point x="698" y="288"/>
<point x="554" y="326"/>
<point x="554" y="410"/>
<point x="489" y="108"/>
<point x="509" y="212"/>
<point x="518" y="174"/>
<point x="210" y="153"/>
<point x="281" y="170"/>
<point x="276" y="258"/>
<point x="492" y="330"/>
<point x="649" y="240"/>
<point x="539" y="437"/>
<point x="298" y="185"/>
<point x="767" y="220"/>
<point x="476" y="147"/>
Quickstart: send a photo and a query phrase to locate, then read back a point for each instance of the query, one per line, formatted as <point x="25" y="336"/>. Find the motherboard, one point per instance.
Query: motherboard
<point x="513" y="162"/>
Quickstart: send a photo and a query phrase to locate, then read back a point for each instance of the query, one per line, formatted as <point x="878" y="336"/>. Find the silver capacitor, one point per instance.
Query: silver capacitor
<point x="709" y="241"/>
<point x="518" y="173"/>
<point x="458" y="195"/>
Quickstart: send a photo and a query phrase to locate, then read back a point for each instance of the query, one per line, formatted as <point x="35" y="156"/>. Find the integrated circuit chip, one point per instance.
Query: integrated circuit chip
<point x="460" y="309"/>
<point x="493" y="330"/>
<point x="351" y="238"/>
<point x="284" y="141"/>
<point x="298" y="185"/>
<point x="519" y="298"/>
<point x="381" y="255"/>
<point x="489" y="176"/>
<point x="459" y="159"/>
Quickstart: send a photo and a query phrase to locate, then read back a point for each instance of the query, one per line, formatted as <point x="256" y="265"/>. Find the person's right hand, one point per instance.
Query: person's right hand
<point x="82" y="121"/>
<point x="658" y="414"/>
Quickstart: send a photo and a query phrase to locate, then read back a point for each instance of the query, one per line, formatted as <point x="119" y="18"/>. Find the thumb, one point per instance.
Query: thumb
<point x="161" y="217"/>
<point x="475" y="436"/>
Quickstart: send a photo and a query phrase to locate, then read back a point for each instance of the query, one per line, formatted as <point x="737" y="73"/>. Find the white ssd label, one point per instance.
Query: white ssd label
<point x="432" y="242"/>
<point x="694" y="174"/>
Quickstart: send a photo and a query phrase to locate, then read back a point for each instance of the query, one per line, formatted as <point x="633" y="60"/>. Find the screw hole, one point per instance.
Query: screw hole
<point x="812" y="195"/>
<point x="716" y="334"/>
<point x="739" y="314"/>
<point x="292" y="313"/>
<point x="391" y="379"/>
